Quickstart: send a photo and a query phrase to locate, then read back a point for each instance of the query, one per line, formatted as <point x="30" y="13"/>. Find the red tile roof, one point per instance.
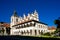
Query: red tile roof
<point x="51" y="28"/>
<point x="4" y="24"/>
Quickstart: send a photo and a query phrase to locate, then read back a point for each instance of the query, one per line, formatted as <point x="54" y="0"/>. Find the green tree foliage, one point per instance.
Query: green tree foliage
<point x="3" y="30"/>
<point x="8" y="30"/>
<point x="47" y="34"/>
<point x="57" y="22"/>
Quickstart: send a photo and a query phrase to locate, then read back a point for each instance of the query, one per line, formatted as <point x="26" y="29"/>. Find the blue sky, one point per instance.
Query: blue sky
<point x="48" y="10"/>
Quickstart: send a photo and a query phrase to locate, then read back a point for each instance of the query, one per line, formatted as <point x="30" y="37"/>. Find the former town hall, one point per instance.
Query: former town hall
<point x="27" y="25"/>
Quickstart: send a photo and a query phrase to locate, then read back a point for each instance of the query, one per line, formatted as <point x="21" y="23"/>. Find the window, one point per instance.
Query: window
<point x="28" y="25"/>
<point x="22" y="24"/>
<point x="12" y="20"/>
<point x="25" y="25"/>
<point x="16" y="20"/>
<point x="19" y="26"/>
<point x="41" y="26"/>
<point x="31" y="24"/>
<point x="34" y="24"/>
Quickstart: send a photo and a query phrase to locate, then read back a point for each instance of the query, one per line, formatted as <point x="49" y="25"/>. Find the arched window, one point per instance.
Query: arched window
<point x="30" y="24"/>
<point x="25" y="24"/>
<point x="16" y="20"/>
<point x="41" y="26"/>
<point x="12" y="19"/>
<point x="19" y="26"/>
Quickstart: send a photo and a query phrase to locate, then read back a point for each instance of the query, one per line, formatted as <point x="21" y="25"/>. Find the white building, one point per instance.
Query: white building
<point x="4" y="28"/>
<point x="28" y="25"/>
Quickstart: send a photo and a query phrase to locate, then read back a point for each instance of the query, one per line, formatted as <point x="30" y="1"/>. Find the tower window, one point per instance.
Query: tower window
<point x="16" y="20"/>
<point x="12" y="20"/>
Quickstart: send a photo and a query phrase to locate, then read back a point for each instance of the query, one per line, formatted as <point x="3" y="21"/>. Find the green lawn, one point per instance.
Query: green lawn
<point x="50" y="37"/>
<point x="46" y="36"/>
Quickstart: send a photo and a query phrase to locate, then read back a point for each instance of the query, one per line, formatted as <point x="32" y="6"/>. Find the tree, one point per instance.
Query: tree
<point x="47" y="34"/>
<point x="3" y="30"/>
<point x="57" y="22"/>
<point x="8" y="30"/>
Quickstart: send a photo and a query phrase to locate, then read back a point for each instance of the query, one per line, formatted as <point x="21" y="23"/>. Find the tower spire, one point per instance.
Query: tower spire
<point x="15" y="13"/>
<point x="35" y="11"/>
<point x="24" y="15"/>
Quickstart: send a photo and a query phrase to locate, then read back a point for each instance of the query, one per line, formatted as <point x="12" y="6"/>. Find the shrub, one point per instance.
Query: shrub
<point x="47" y="34"/>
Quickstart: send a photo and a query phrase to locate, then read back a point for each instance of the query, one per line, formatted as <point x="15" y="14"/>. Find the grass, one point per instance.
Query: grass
<point x="44" y="36"/>
<point x="50" y="37"/>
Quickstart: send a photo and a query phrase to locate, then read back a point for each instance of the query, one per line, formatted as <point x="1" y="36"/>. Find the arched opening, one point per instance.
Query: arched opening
<point x="35" y="32"/>
<point x="22" y="32"/>
<point x="31" y="32"/>
<point x="27" y="32"/>
<point x="39" y="31"/>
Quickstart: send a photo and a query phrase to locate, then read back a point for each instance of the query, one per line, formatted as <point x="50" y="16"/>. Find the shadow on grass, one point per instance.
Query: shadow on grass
<point x="17" y="37"/>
